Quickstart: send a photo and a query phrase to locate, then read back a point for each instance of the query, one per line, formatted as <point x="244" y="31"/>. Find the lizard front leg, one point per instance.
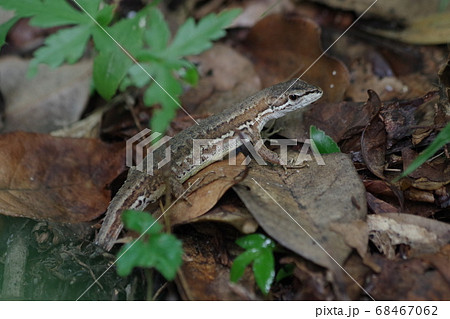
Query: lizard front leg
<point x="266" y="154"/>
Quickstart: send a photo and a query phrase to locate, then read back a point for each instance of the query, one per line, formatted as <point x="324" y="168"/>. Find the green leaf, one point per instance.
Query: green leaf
<point x="167" y="97"/>
<point x="140" y="222"/>
<point x="47" y="13"/>
<point x="167" y="251"/>
<point x="159" y="250"/>
<point x="138" y="77"/>
<point x="4" y="28"/>
<point x="285" y="272"/>
<point x="112" y="64"/>
<point x="131" y="255"/>
<point x="105" y="16"/>
<point x="259" y="250"/>
<point x="241" y="262"/>
<point x="255" y="241"/>
<point x="54" y="13"/>
<point x="192" y="39"/>
<point x="441" y="139"/>
<point x="158" y="34"/>
<point x="91" y="6"/>
<point x="324" y="143"/>
<point x="189" y="74"/>
<point x="264" y="269"/>
<point x="163" y="60"/>
<point x="65" y="45"/>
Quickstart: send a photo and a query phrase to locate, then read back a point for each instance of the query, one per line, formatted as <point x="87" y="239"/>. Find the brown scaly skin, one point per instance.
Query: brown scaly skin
<point x="242" y="120"/>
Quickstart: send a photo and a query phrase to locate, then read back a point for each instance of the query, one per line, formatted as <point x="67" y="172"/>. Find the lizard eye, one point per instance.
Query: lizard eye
<point x="293" y="97"/>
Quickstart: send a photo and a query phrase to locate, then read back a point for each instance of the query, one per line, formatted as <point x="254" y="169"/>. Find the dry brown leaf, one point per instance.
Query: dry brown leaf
<point x="411" y="279"/>
<point x="58" y="179"/>
<point x="373" y="142"/>
<point x="314" y="284"/>
<point x="227" y="77"/>
<point x="423" y="235"/>
<point x="280" y="54"/>
<point x="417" y="195"/>
<point x="401" y="117"/>
<point x="49" y="101"/>
<point x="444" y="77"/>
<point x="355" y="234"/>
<point x="379" y="206"/>
<point x="433" y="29"/>
<point x="212" y="182"/>
<point x="238" y="217"/>
<point x="390" y="10"/>
<point x="315" y="197"/>
<point x="253" y="10"/>
<point x="430" y="175"/>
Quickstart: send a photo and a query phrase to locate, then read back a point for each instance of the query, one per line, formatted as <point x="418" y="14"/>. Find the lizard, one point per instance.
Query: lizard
<point x="224" y="132"/>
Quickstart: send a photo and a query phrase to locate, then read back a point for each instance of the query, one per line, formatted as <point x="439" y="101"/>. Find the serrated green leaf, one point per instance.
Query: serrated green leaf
<point x="109" y="70"/>
<point x="105" y="15"/>
<point x="50" y="13"/>
<point x="166" y="92"/>
<point x="192" y="39"/>
<point x="324" y="143"/>
<point x="264" y="269"/>
<point x="140" y="222"/>
<point x="65" y="45"/>
<point x="158" y="34"/>
<point x="167" y="97"/>
<point x="241" y="262"/>
<point x="91" y="6"/>
<point x="4" y="28"/>
<point x="138" y="77"/>
<point x="441" y="139"/>
<point x="24" y="8"/>
<point x="112" y="64"/>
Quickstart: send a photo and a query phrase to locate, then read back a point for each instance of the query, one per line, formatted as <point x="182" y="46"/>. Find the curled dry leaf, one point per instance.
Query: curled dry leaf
<point x="400" y="118"/>
<point x="311" y="199"/>
<point x="210" y="185"/>
<point x="373" y="141"/>
<point x="379" y="206"/>
<point x="49" y="101"/>
<point x="429" y="176"/>
<point x="423" y="235"/>
<point x="57" y="179"/>
<point x="238" y="217"/>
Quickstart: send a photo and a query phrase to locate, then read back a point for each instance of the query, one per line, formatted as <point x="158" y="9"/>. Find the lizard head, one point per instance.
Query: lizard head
<point x="283" y="98"/>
